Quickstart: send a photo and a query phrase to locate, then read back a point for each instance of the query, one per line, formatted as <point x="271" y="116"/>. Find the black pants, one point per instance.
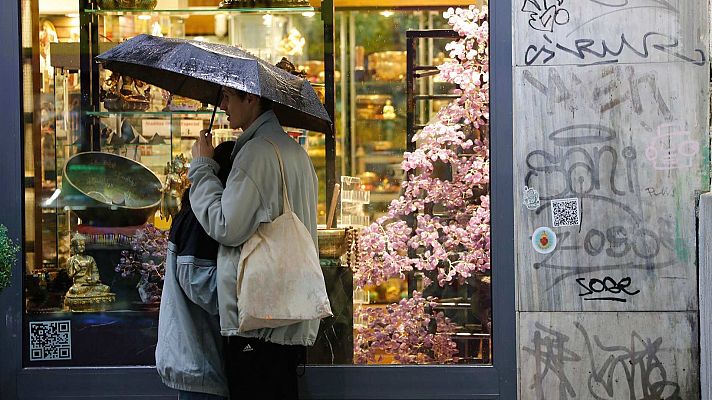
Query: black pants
<point x="262" y="370"/>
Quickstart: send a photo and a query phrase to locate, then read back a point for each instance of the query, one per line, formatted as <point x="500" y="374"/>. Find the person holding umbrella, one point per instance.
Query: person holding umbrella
<point x="261" y="363"/>
<point x="258" y="98"/>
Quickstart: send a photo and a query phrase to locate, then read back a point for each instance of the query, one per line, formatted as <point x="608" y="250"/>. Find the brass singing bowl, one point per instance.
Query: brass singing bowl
<point x="332" y="242"/>
<point x="109" y="190"/>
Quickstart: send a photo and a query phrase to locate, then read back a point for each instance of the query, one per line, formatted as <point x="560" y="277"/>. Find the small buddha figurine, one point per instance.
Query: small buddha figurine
<point x="389" y="112"/>
<point x="87" y="292"/>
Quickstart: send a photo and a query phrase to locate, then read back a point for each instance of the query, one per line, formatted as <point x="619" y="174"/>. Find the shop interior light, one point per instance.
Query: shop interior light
<point x="267" y="20"/>
<point x="387" y="13"/>
<point x="308" y="14"/>
<point x="144" y="17"/>
<point x="72" y="15"/>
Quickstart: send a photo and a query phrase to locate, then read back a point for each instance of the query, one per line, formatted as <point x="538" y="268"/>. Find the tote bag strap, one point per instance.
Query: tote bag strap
<point x="285" y="197"/>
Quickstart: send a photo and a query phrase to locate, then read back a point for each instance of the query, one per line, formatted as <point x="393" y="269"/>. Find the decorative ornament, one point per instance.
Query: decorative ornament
<point x="531" y="198"/>
<point x="544" y="240"/>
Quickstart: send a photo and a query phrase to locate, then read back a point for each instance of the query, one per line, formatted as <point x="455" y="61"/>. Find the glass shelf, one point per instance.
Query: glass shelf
<point x="110" y="146"/>
<point x="400" y="84"/>
<point x="149" y="113"/>
<point x="105" y="146"/>
<point x="209" y="10"/>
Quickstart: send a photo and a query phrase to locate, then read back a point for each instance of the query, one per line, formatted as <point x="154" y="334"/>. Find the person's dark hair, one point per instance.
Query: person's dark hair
<point x="265" y="103"/>
<point x="221" y="155"/>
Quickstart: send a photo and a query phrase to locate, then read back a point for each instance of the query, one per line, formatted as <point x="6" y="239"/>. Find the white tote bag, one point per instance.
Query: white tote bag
<point x="279" y="279"/>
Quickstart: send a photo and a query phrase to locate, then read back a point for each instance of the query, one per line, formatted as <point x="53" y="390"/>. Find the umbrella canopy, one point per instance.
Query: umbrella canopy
<point x="199" y="70"/>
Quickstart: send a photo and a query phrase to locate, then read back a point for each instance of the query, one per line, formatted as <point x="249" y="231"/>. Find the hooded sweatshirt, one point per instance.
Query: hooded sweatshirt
<point x="189" y="350"/>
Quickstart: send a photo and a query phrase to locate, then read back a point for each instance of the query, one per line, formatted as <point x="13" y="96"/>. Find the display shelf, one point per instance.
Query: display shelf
<point x="55" y="312"/>
<point x="396" y="84"/>
<point x="375" y="158"/>
<point x="383" y="197"/>
<point x="143" y="114"/>
<point x="110" y="146"/>
<point x="206" y="10"/>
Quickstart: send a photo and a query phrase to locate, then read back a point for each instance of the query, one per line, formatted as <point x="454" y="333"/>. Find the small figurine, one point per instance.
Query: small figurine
<point x="389" y="112"/>
<point x="87" y="293"/>
<point x="143" y="88"/>
<point x="288" y="66"/>
<point x="127" y="86"/>
<point x="176" y="183"/>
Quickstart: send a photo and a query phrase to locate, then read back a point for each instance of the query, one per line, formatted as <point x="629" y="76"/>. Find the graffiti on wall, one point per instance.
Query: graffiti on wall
<point x="613" y="153"/>
<point x="583" y="162"/>
<point x="628" y="368"/>
<point x="558" y="38"/>
<point x="613" y="123"/>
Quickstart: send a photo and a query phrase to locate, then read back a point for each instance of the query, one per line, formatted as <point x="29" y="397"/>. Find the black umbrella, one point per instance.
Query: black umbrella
<point x="199" y="70"/>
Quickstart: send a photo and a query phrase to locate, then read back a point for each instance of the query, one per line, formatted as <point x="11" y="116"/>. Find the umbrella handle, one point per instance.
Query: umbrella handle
<point x="212" y="118"/>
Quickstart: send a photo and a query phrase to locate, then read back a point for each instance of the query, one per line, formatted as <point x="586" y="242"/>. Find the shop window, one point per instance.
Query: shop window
<point x="105" y="158"/>
<point x="421" y="261"/>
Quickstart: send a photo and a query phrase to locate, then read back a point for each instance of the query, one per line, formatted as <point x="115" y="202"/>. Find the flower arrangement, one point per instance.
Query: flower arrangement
<point x="409" y="330"/>
<point x="8" y="256"/>
<point x="147" y="258"/>
<point x="452" y="244"/>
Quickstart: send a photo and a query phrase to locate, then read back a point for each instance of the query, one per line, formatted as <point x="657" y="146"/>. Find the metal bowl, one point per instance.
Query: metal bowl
<point x="109" y="190"/>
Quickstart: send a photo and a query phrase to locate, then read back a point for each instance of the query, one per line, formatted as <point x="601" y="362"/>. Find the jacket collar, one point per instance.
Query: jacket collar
<point x="250" y="132"/>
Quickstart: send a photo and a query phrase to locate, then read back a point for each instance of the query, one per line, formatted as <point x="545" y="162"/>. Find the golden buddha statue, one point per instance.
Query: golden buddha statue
<point x="87" y="292"/>
<point x="389" y="112"/>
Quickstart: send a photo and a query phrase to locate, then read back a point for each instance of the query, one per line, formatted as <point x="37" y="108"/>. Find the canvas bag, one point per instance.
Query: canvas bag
<point x="279" y="279"/>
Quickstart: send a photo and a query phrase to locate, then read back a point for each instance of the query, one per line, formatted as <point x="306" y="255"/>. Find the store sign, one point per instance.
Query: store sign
<point x="190" y="127"/>
<point x="151" y="127"/>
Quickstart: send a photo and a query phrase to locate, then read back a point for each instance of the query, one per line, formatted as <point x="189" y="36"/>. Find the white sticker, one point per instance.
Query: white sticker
<point x="531" y="198"/>
<point x="544" y="240"/>
<point x="152" y="127"/>
<point x="565" y="212"/>
<point x="190" y="128"/>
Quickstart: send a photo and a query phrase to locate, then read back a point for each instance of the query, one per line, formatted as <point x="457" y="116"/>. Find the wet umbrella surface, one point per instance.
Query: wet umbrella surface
<point x="199" y="70"/>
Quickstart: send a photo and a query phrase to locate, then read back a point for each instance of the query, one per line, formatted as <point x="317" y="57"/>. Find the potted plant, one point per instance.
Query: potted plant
<point x="8" y="256"/>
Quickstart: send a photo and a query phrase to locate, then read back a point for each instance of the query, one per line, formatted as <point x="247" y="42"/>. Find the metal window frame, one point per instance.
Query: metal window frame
<point x="325" y="382"/>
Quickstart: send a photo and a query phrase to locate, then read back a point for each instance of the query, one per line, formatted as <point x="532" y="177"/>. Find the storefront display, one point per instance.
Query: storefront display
<point x="108" y="144"/>
<point x="121" y="196"/>
<point x="114" y="156"/>
<point x="116" y="152"/>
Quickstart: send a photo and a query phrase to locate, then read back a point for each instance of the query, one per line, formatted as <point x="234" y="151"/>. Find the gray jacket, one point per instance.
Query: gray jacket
<point x="189" y="349"/>
<point x="253" y="195"/>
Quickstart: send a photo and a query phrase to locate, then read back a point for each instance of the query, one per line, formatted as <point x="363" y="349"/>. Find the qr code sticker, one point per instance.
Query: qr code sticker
<point x="565" y="212"/>
<point x="50" y="340"/>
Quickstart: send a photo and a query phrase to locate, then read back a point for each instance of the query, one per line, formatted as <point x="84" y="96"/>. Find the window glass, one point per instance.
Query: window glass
<point x="421" y="260"/>
<point x="106" y="163"/>
<point x="407" y="267"/>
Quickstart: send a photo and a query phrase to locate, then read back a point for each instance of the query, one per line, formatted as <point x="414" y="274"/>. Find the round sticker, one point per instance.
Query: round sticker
<point x="544" y="240"/>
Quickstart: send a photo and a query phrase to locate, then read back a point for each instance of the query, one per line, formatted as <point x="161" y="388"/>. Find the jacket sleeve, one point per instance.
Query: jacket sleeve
<point x="230" y="215"/>
<point x="199" y="285"/>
